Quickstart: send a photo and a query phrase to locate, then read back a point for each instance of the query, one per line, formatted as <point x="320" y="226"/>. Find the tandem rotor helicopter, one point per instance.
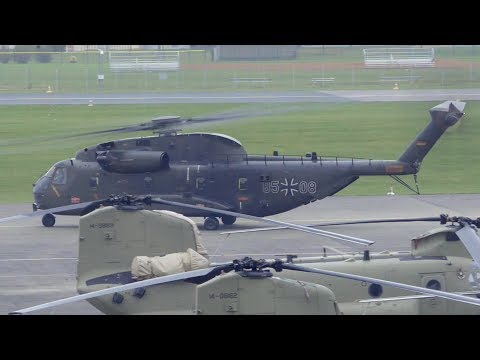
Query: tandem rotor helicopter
<point x="214" y="170"/>
<point x="137" y="261"/>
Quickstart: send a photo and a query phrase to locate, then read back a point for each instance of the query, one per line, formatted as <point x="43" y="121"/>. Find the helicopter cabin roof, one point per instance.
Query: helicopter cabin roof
<point x="226" y="137"/>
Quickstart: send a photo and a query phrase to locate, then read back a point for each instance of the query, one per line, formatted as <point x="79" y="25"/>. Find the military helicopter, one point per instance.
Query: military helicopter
<point x="138" y="261"/>
<point x="214" y="170"/>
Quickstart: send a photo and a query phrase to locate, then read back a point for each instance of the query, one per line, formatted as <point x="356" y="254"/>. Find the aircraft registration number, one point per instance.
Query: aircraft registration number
<point x="289" y="187"/>
<point x="214" y="296"/>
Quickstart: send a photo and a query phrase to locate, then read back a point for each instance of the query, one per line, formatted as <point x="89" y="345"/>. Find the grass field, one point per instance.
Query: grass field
<point x="32" y="139"/>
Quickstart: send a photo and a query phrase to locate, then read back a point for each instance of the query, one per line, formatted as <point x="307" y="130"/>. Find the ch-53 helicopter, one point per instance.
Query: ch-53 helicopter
<point x="215" y="170"/>
<point x="138" y="261"/>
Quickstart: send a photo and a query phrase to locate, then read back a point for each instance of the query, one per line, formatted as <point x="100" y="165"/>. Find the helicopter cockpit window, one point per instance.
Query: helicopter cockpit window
<point x="50" y="172"/>
<point x="60" y="176"/>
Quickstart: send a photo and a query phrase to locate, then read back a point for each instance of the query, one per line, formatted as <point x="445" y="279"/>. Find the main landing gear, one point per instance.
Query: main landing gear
<point x="212" y="223"/>
<point x="48" y="220"/>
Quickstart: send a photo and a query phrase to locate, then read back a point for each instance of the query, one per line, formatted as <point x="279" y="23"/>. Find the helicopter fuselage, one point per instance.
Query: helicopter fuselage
<point x="252" y="186"/>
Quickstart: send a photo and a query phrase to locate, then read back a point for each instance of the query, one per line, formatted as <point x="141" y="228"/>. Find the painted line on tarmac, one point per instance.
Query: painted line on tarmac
<point x="38" y="259"/>
<point x="35" y="275"/>
<point x="237" y="97"/>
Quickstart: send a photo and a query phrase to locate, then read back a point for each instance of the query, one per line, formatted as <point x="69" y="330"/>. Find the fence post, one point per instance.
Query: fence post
<point x="56" y="81"/>
<point x="353" y="76"/>
<point x="28" y="78"/>
<point x="293" y="76"/>
<point x="86" y="79"/>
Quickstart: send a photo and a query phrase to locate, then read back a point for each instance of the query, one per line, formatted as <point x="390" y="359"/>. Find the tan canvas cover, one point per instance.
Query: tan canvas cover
<point x="141" y="268"/>
<point x="144" y="267"/>
<point x="168" y="264"/>
<point x="197" y="261"/>
<point x="198" y="239"/>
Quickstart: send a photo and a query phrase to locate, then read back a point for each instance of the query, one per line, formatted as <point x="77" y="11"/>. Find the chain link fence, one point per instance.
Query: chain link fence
<point x="315" y="68"/>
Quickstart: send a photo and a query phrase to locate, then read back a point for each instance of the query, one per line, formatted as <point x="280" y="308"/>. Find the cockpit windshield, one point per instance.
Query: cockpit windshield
<point x="60" y="176"/>
<point x="50" y="172"/>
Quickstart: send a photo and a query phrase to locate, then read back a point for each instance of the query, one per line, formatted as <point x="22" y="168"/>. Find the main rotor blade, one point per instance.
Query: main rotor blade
<point x="171" y="122"/>
<point x="372" y="221"/>
<point x="470" y="240"/>
<point x="276" y="222"/>
<point x="52" y="210"/>
<point x="418" y="289"/>
<point x="134" y="285"/>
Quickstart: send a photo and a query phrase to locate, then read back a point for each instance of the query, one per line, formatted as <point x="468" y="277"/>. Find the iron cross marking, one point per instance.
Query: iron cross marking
<point x="289" y="187"/>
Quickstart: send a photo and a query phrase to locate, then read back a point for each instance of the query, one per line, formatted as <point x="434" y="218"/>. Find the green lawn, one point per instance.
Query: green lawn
<point x="32" y="139"/>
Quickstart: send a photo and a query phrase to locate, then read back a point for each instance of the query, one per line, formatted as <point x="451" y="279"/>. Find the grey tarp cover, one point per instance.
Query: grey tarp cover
<point x="145" y="267"/>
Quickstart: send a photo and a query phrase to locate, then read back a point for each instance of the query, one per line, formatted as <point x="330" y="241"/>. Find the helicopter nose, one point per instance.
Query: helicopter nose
<point x="39" y="192"/>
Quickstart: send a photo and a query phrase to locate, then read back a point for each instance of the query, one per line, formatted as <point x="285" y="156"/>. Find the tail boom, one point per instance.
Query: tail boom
<point x="443" y="116"/>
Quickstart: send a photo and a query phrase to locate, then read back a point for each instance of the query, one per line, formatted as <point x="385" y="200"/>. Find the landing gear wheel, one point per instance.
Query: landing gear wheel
<point x="211" y="223"/>
<point x="48" y="220"/>
<point x="229" y="220"/>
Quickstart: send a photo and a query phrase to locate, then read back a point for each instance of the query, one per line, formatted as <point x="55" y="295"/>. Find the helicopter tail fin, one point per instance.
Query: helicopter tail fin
<point x="443" y="116"/>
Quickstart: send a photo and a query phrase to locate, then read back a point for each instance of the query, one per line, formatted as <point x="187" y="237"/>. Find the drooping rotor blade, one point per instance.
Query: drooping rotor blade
<point x="328" y="234"/>
<point x="469" y="237"/>
<point x="417" y="289"/>
<point x="372" y="221"/>
<point x="134" y="285"/>
<point x="87" y="207"/>
<point x="51" y="211"/>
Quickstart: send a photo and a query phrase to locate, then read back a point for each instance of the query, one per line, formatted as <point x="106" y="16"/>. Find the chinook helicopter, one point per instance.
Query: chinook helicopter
<point x="214" y="170"/>
<point x="138" y="261"/>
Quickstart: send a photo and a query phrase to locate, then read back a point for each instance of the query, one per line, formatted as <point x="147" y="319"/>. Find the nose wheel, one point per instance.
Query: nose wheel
<point x="48" y="220"/>
<point x="211" y="223"/>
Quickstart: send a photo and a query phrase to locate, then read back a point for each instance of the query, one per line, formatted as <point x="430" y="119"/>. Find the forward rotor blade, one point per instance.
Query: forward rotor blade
<point x="276" y="222"/>
<point x="51" y="211"/>
<point x="134" y="285"/>
<point x="372" y="221"/>
<point x="418" y="289"/>
<point x="470" y="240"/>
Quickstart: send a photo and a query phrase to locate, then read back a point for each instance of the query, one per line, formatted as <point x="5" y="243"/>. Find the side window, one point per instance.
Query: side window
<point x="200" y="183"/>
<point x="60" y="176"/>
<point x="93" y="182"/>
<point x="242" y="183"/>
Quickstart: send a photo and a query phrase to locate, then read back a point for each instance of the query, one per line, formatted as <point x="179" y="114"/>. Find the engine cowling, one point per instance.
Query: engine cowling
<point x="132" y="161"/>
